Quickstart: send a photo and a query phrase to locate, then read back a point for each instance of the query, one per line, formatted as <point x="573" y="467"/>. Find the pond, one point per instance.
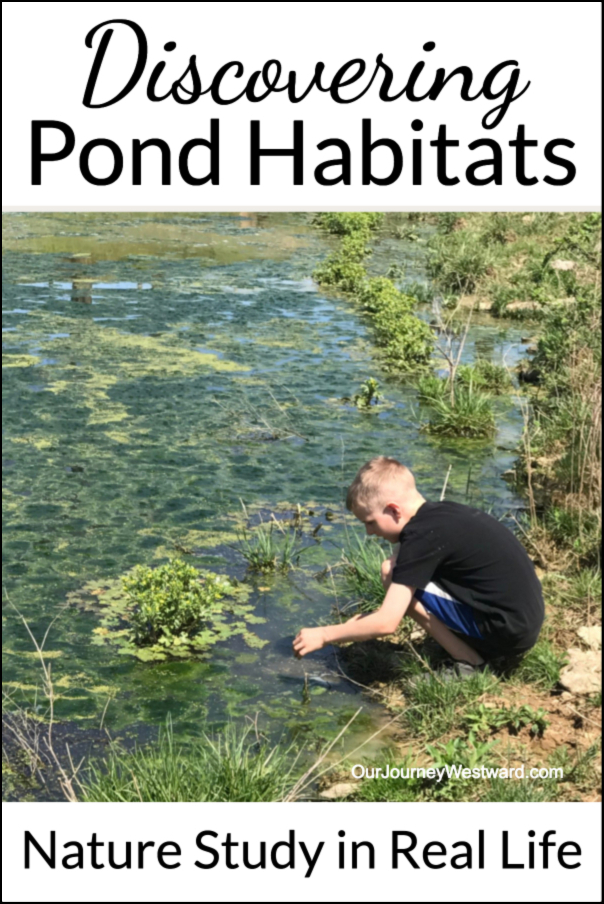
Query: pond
<point x="160" y="372"/>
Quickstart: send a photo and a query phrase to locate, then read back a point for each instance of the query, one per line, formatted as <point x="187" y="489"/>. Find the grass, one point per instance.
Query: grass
<point x="541" y="666"/>
<point x="226" y="767"/>
<point x="362" y="561"/>
<point x="485" y="375"/>
<point x="269" y="547"/>
<point x="433" y="705"/>
<point x="470" y="414"/>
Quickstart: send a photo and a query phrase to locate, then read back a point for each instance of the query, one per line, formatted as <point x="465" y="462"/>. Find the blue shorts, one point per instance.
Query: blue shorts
<point x="457" y="616"/>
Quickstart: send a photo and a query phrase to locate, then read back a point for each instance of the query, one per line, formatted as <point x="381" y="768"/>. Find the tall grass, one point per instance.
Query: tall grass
<point x="362" y="569"/>
<point x="226" y="767"/>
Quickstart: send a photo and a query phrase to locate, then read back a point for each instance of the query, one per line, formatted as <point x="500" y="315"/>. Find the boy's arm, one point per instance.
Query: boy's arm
<point x="360" y="627"/>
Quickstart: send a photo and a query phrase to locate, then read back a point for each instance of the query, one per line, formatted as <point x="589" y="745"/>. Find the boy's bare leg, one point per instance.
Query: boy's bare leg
<point x="456" y="647"/>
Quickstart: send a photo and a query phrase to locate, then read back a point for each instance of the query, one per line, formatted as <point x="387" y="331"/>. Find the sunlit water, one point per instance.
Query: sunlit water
<point x="158" y="372"/>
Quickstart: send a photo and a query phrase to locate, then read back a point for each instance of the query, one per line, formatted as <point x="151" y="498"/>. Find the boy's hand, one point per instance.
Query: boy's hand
<point x="308" y="640"/>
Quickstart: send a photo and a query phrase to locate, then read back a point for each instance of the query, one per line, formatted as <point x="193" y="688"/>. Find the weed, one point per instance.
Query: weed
<point x="434" y="704"/>
<point x="483" y="719"/>
<point x="507" y="790"/>
<point x="541" y="666"/>
<point x="485" y="375"/>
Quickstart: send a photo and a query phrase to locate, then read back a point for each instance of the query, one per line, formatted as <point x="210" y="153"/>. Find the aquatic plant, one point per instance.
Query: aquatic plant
<point x="174" y="610"/>
<point x="405" y="340"/>
<point x="171" y="601"/>
<point x="469" y="415"/>
<point x="430" y="387"/>
<point x="267" y="551"/>
<point x="368" y="394"/>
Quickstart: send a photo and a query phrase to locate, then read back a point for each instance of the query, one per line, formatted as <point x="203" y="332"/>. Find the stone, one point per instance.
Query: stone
<point x="563" y="265"/>
<point x="335" y="792"/>
<point x="592" y="636"/>
<point x="523" y="306"/>
<point x="583" y="673"/>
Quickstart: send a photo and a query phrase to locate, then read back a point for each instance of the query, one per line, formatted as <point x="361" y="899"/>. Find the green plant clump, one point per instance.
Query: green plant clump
<point x="405" y="340"/>
<point x="368" y="395"/>
<point x="483" y="374"/>
<point x="470" y="414"/>
<point x="171" y="601"/>
<point x="342" y="223"/>
<point x="268" y="551"/>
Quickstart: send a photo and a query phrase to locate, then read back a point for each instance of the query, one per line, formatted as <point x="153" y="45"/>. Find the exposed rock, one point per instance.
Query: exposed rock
<point x="523" y="306"/>
<point x="473" y="301"/>
<point x="335" y="792"/>
<point x="591" y="636"/>
<point x="583" y="674"/>
<point x="563" y="265"/>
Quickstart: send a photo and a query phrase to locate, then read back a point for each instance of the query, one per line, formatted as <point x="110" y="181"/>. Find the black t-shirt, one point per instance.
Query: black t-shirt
<point x="478" y="561"/>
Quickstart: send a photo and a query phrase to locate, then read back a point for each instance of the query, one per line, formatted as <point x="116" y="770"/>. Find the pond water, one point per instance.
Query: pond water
<point x="159" y="371"/>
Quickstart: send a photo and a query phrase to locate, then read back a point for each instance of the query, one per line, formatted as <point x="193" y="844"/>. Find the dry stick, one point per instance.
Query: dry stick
<point x="66" y="783"/>
<point x="444" y="489"/>
<point x="581" y="716"/>
<point x="104" y="711"/>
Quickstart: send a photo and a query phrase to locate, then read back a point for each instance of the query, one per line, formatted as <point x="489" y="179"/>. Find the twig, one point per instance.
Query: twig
<point x="444" y="489"/>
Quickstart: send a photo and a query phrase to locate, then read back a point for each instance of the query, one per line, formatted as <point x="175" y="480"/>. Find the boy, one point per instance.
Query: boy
<point x="458" y="572"/>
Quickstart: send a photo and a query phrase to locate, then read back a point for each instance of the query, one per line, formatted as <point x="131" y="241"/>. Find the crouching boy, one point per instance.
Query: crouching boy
<point x="458" y="572"/>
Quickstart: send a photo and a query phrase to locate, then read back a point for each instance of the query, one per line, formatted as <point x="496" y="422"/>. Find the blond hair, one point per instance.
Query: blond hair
<point x="376" y="476"/>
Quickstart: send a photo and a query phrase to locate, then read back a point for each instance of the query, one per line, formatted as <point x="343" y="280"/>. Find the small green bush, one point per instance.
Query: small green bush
<point x="171" y="600"/>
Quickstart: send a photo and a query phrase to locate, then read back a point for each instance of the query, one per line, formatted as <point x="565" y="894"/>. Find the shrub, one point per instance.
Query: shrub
<point x="171" y="600"/>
